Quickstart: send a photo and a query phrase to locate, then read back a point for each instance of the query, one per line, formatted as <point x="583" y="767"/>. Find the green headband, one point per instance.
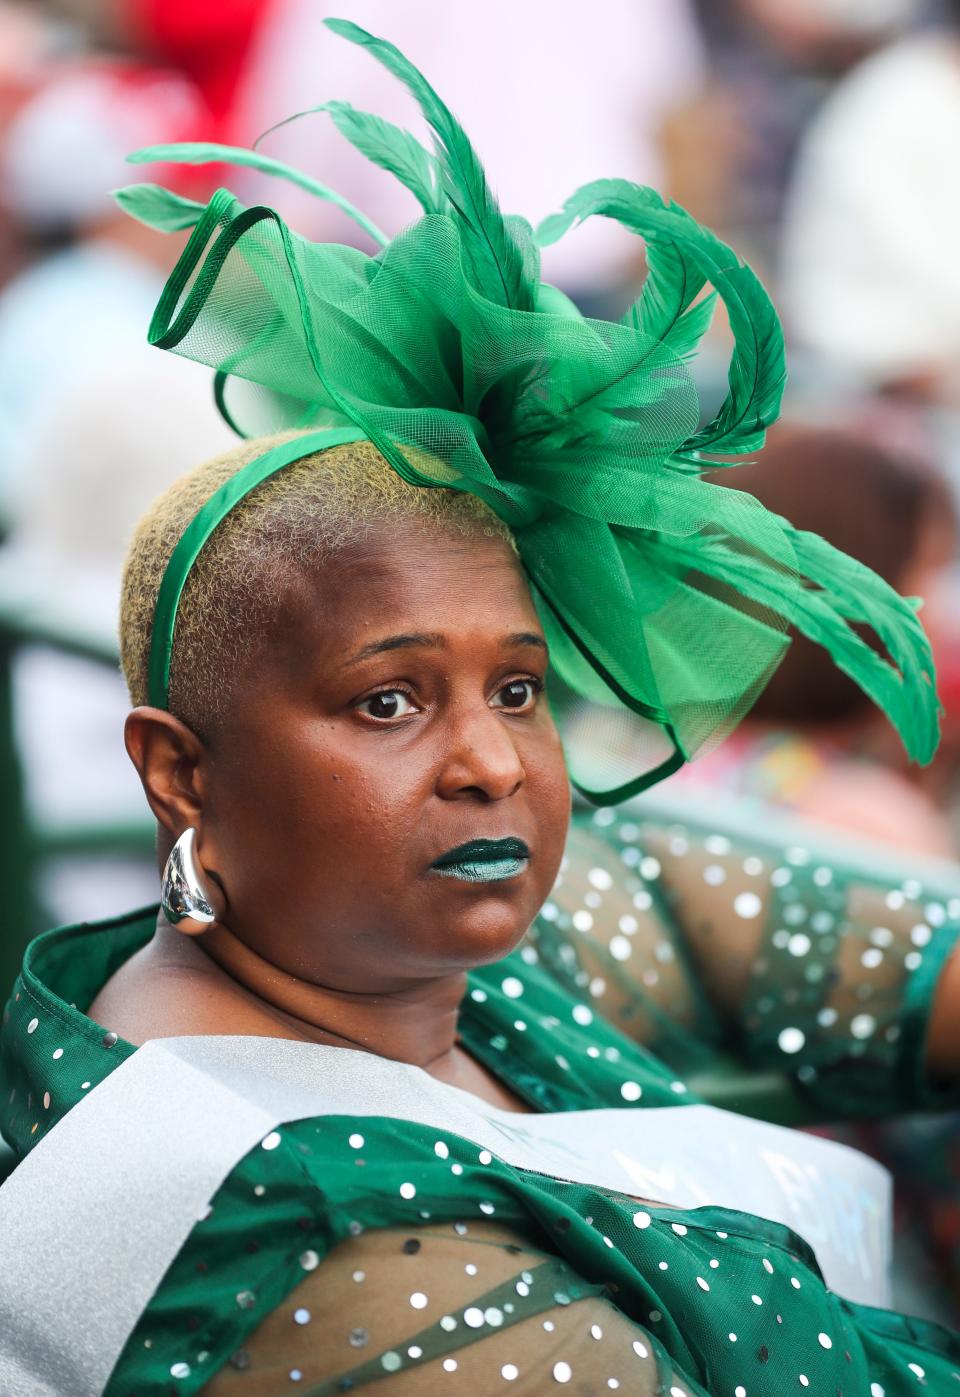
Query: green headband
<point x="666" y="599"/>
<point x="194" y="537"/>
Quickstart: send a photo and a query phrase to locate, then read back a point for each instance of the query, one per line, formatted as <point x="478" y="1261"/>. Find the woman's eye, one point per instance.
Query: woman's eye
<point x="390" y="703"/>
<point x="519" y="693"/>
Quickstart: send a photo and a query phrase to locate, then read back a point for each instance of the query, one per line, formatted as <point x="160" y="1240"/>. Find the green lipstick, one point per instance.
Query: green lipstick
<point x="483" y="860"/>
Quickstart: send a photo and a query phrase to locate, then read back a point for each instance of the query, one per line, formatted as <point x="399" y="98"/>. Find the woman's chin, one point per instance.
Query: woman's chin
<point x="482" y="934"/>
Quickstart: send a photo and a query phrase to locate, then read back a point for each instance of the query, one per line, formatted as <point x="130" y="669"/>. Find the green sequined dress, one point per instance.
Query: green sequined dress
<point x="349" y="1251"/>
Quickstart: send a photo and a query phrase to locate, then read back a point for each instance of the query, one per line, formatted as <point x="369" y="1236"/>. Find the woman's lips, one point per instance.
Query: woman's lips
<point x="483" y="860"/>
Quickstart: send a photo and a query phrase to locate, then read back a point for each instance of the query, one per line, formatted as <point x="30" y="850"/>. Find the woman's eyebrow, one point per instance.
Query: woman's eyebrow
<point x="519" y="638"/>
<point x="432" y="640"/>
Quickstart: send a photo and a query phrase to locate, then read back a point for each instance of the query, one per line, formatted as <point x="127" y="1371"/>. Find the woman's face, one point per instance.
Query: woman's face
<point x="396" y="716"/>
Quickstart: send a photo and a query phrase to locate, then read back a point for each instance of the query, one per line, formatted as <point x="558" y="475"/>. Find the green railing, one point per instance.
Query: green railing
<point x="26" y="841"/>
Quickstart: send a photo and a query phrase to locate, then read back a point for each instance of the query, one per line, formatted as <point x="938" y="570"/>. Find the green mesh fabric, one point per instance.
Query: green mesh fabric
<point x="701" y="932"/>
<point x="667" y="601"/>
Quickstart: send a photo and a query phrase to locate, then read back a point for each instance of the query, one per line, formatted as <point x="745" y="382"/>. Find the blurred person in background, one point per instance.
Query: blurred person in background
<point x="730" y="144"/>
<point x="27" y="40"/>
<point x="71" y="325"/>
<point x="139" y="70"/>
<point x="810" y="743"/>
<point x="76" y="313"/>
<point x="870" y="279"/>
<point x="78" y="462"/>
<point x="207" y="41"/>
<point x="730" y="148"/>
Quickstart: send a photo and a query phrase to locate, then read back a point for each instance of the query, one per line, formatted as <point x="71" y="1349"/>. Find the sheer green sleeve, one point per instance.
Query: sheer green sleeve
<point x="609" y="933"/>
<point x="362" y="1253"/>
<point x="441" y="1310"/>
<point x="820" y="967"/>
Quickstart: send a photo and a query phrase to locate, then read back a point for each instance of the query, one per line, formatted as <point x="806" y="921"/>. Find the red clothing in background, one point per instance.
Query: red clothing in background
<point x="208" y="40"/>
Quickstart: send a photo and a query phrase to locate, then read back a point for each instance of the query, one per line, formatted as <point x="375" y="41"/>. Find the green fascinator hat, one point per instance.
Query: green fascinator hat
<point x="666" y="600"/>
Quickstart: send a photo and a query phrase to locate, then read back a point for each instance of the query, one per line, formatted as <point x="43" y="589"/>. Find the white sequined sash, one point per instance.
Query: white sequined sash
<point x="94" y="1216"/>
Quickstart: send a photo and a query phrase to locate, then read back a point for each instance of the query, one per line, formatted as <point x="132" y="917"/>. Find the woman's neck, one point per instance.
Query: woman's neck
<point x="416" y="1025"/>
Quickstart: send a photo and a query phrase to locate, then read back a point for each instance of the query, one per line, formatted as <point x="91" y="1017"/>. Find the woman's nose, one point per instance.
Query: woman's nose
<point x="482" y="761"/>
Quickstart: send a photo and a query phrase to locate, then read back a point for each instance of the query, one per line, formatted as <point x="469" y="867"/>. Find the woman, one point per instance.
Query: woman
<point x="329" y="1047"/>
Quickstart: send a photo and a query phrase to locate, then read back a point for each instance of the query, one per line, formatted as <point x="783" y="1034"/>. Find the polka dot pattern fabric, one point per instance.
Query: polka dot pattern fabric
<point x="340" y="1253"/>
<point x="691" y="940"/>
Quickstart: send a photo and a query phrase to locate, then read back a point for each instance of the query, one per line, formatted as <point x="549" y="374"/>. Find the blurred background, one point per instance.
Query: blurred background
<point x="819" y="137"/>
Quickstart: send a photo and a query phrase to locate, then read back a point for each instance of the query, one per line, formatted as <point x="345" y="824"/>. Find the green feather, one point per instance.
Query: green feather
<point x="383" y="144"/>
<point x="392" y="149"/>
<point x="208" y="153"/>
<point x="496" y="261"/>
<point x="664" y="309"/>
<point x="685" y="255"/>
<point x="843" y="592"/>
<point x="674" y="279"/>
<point x="158" y="207"/>
<point x="686" y="331"/>
<point x="864" y="598"/>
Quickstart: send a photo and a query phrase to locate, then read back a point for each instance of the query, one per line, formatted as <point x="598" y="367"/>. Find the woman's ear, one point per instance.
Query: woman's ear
<point x="169" y="761"/>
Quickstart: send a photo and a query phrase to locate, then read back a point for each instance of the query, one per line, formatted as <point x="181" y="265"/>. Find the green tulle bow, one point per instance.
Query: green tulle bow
<point x="667" y="600"/>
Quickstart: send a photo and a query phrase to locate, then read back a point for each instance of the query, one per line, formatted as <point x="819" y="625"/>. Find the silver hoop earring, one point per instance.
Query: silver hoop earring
<point x="189" y="901"/>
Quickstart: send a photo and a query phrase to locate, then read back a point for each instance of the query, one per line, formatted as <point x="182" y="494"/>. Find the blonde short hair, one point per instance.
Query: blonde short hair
<point x="296" y="520"/>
